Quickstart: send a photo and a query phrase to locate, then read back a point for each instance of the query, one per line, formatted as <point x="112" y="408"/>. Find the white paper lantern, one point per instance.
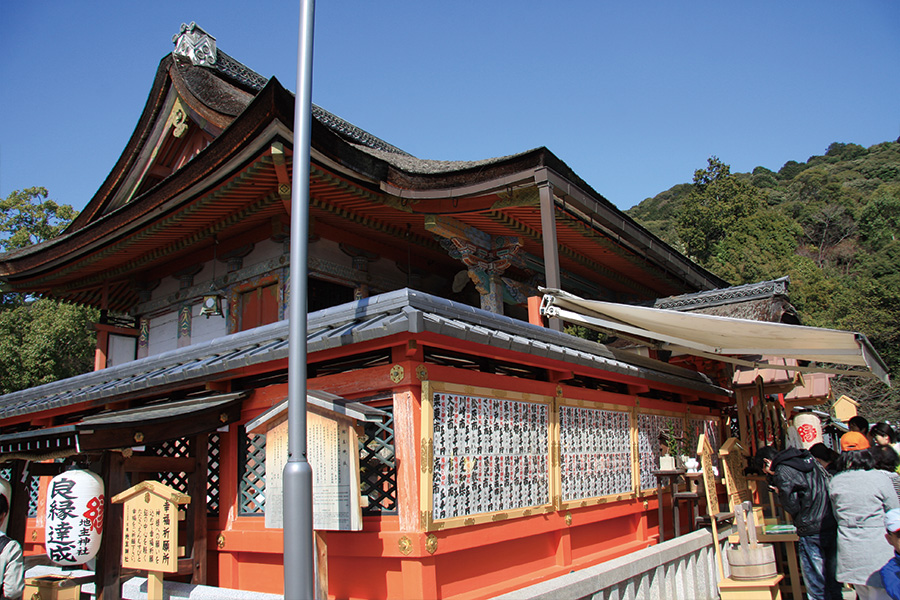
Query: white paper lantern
<point x="74" y="514"/>
<point x="809" y="428"/>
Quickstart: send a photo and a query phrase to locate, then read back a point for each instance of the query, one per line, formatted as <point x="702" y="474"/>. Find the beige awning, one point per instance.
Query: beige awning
<point x="722" y="338"/>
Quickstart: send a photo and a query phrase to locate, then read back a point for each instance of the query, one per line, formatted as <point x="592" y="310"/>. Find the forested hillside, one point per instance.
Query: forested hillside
<point x="831" y="223"/>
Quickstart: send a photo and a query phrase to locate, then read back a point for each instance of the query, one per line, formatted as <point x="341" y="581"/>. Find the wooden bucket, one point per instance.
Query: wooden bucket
<point x="751" y="563"/>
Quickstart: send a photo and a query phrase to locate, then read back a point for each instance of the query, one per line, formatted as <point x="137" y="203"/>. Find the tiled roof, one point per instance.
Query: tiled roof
<point x="239" y="72"/>
<point x="411" y="164"/>
<point x="737" y="293"/>
<point x="197" y="51"/>
<point x="761" y="301"/>
<point x="402" y="311"/>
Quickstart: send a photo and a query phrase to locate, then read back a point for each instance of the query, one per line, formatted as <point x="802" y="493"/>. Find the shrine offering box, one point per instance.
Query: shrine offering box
<point x="51" y="587"/>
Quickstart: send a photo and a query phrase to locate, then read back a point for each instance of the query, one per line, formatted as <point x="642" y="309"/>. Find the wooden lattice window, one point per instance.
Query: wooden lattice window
<point x="34" y="492"/>
<point x="173" y="449"/>
<point x="378" y="467"/>
<point x="34" y="487"/>
<point x="179" y="481"/>
<point x="252" y="493"/>
<point x="212" y="470"/>
<point x="378" y="471"/>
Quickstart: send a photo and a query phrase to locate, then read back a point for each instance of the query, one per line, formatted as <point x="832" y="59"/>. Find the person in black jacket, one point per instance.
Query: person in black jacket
<point x="801" y="485"/>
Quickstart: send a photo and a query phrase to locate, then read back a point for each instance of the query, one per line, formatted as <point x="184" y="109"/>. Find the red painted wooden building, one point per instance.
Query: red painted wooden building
<point x="503" y="452"/>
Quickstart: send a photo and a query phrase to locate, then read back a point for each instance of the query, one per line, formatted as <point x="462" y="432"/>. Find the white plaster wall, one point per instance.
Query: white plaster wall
<point x="205" y="328"/>
<point x="381" y="270"/>
<point x="263" y="251"/>
<point x="386" y="269"/>
<point x="168" y="285"/>
<point x="163" y="333"/>
<point x="122" y="349"/>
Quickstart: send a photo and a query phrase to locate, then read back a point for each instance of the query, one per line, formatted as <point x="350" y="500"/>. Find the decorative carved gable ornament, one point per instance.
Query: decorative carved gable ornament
<point x="194" y="43"/>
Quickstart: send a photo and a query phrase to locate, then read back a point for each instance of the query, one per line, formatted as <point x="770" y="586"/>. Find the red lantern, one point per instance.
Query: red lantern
<point x="74" y="514"/>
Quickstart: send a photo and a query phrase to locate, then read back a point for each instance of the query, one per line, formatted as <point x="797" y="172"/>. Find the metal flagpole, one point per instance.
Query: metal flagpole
<point x="299" y="576"/>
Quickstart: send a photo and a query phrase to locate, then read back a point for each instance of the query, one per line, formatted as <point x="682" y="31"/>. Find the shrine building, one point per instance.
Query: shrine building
<point x="487" y="449"/>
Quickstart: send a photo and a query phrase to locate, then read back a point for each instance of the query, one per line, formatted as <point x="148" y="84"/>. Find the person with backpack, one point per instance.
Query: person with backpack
<point x="801" y="485"/>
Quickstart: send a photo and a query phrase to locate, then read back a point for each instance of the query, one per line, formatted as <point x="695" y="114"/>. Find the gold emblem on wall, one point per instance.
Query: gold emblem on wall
<point x="405" y="545"/>
<point x="422" y="373"/>
<point x="568" y="518"/>
<point x="397" y="373"/>
<point x="427" y="455"/>
<point x="220" y="541"/>
<point x="431" y="543"/>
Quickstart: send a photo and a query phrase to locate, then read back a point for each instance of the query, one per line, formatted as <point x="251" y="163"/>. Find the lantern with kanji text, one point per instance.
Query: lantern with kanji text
<point x="74" y="517"/>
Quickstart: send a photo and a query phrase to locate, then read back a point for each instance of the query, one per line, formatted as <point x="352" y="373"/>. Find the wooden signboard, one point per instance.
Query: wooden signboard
<point x="334" y="459"/>
<point x="486" y="455"/>
<point x="150" y="531"/>
<point x="706" y="453"/>
<point x="733" y="456"/>
<point x="595" y="453"/>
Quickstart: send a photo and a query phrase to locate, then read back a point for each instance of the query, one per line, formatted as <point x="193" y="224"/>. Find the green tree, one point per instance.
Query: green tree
<point x="717" y="202"/>
<point x="879" y="222"/>
<point x="756" y="247"/>
<point x="832" y="224"/>
<point x="790" y="169"/>
<point x="28" y="217"/>
<point x="41" y="339"/>
<point x="44" y="340"/>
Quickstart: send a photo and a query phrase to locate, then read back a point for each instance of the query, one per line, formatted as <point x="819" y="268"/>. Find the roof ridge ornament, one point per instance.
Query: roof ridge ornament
<point x="194" y="43"/>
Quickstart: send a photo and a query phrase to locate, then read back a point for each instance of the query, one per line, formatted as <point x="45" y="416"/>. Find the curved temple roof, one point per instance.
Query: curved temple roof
<point x="211" y="153"/>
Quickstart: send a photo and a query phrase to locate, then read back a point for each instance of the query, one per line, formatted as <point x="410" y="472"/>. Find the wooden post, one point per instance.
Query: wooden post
<point x="154" y="585"/>
<point x="198" y="483"/>
<point x="18" y="502"/>
<point x="321" y="542"/>
<point x="551" y="249"/>
<point x="102" y="351"/>
<point x="108" y="572"/>
<point x="534" y="311"/>
<point x="705" y="451"/>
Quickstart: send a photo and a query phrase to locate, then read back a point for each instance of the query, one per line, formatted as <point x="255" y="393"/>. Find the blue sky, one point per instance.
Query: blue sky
<point x="634" y="96"/>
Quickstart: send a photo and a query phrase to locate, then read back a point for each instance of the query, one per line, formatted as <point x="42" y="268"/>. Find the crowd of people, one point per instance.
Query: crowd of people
<point x="846" y="508"/>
